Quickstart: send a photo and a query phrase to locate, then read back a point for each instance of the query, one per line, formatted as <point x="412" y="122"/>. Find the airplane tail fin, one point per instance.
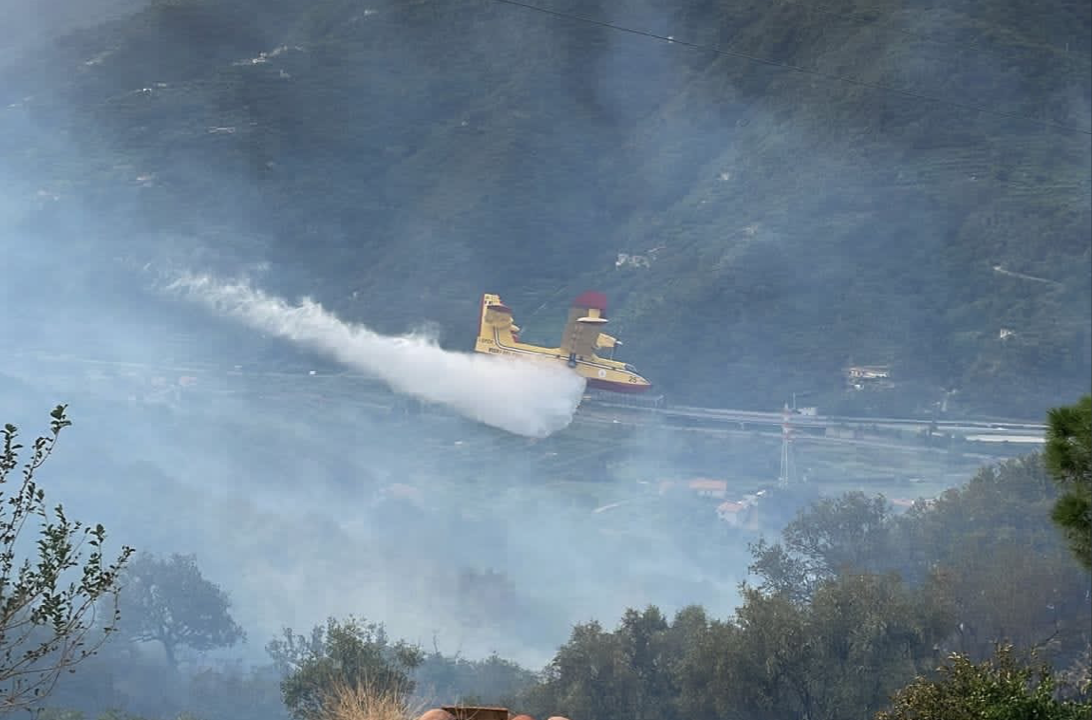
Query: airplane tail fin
<point x="495" y="325"/>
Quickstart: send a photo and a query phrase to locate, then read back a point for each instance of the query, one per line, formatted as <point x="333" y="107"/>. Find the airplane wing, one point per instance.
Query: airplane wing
<point x="586" y="319"/>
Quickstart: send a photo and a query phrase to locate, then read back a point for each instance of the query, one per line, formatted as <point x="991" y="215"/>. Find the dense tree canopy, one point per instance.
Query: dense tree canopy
<point x="853" y="603"/>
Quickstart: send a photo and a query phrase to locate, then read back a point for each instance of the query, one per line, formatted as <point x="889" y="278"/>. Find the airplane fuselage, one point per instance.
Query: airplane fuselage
<point x="600" y="373"/>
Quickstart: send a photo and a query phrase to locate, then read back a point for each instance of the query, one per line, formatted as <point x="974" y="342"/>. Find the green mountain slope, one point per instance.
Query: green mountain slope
<point x="396" y="159"/>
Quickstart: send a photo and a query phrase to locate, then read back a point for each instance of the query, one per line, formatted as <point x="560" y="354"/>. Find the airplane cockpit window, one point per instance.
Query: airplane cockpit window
<point x="630" y="368"/>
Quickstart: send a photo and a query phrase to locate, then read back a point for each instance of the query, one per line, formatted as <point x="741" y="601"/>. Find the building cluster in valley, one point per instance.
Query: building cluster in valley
<point x="755" y="510"/>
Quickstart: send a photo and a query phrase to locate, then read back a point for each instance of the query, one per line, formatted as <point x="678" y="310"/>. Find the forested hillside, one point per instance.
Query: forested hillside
<point x="395" y="159"/>
<point x="850" y="606"/>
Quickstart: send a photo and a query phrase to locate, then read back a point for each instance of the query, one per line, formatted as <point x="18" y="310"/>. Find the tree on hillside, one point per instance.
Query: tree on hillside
<point x="492" y="681"/>
<point x="1068" y="457"/>
<point x="999" y="688"/>
<point x="859" y="638"/>
<point x="236" y="692"/>
<point x="696" y="644"/>
<point x="49" y="591"/>
<point x="342" y="656"/>
<point x="838" y="655"/>
<point x="980" y="539"/>
<point x="987" y="537"/>
<point x="168" y="601"/>
<point x="609" y="675"/>
<point x="848" y="532"/>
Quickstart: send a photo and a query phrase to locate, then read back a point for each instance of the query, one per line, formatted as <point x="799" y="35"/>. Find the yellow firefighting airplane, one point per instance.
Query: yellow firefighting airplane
<point x="498" y="335"/>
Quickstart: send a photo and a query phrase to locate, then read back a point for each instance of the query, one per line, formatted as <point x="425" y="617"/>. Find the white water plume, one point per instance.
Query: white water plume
<point x="523" y="397"/>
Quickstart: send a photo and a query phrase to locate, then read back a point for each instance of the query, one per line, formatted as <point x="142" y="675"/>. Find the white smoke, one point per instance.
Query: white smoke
<point x="523" y="397"/>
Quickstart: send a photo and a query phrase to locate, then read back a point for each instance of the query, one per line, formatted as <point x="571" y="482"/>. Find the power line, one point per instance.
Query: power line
<point x="797" y="68"/>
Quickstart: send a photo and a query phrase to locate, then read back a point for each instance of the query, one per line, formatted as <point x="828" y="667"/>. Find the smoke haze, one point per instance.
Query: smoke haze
<point x="520" y="397"/>
<point x="390" y="164"/>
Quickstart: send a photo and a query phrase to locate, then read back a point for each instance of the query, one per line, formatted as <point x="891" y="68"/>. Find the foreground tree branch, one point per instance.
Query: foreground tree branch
<point x="51" y="583"/>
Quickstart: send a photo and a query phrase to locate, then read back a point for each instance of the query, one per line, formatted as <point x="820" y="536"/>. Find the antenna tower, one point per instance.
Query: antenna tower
<point x="787" y="475"/>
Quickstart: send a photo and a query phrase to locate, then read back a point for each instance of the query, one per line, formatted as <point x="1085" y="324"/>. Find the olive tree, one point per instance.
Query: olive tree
<point x="344" y="656"/>
<point x="999" y="688"/>
<point x="169" y="601"/>
<point x="54" y="577"/>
